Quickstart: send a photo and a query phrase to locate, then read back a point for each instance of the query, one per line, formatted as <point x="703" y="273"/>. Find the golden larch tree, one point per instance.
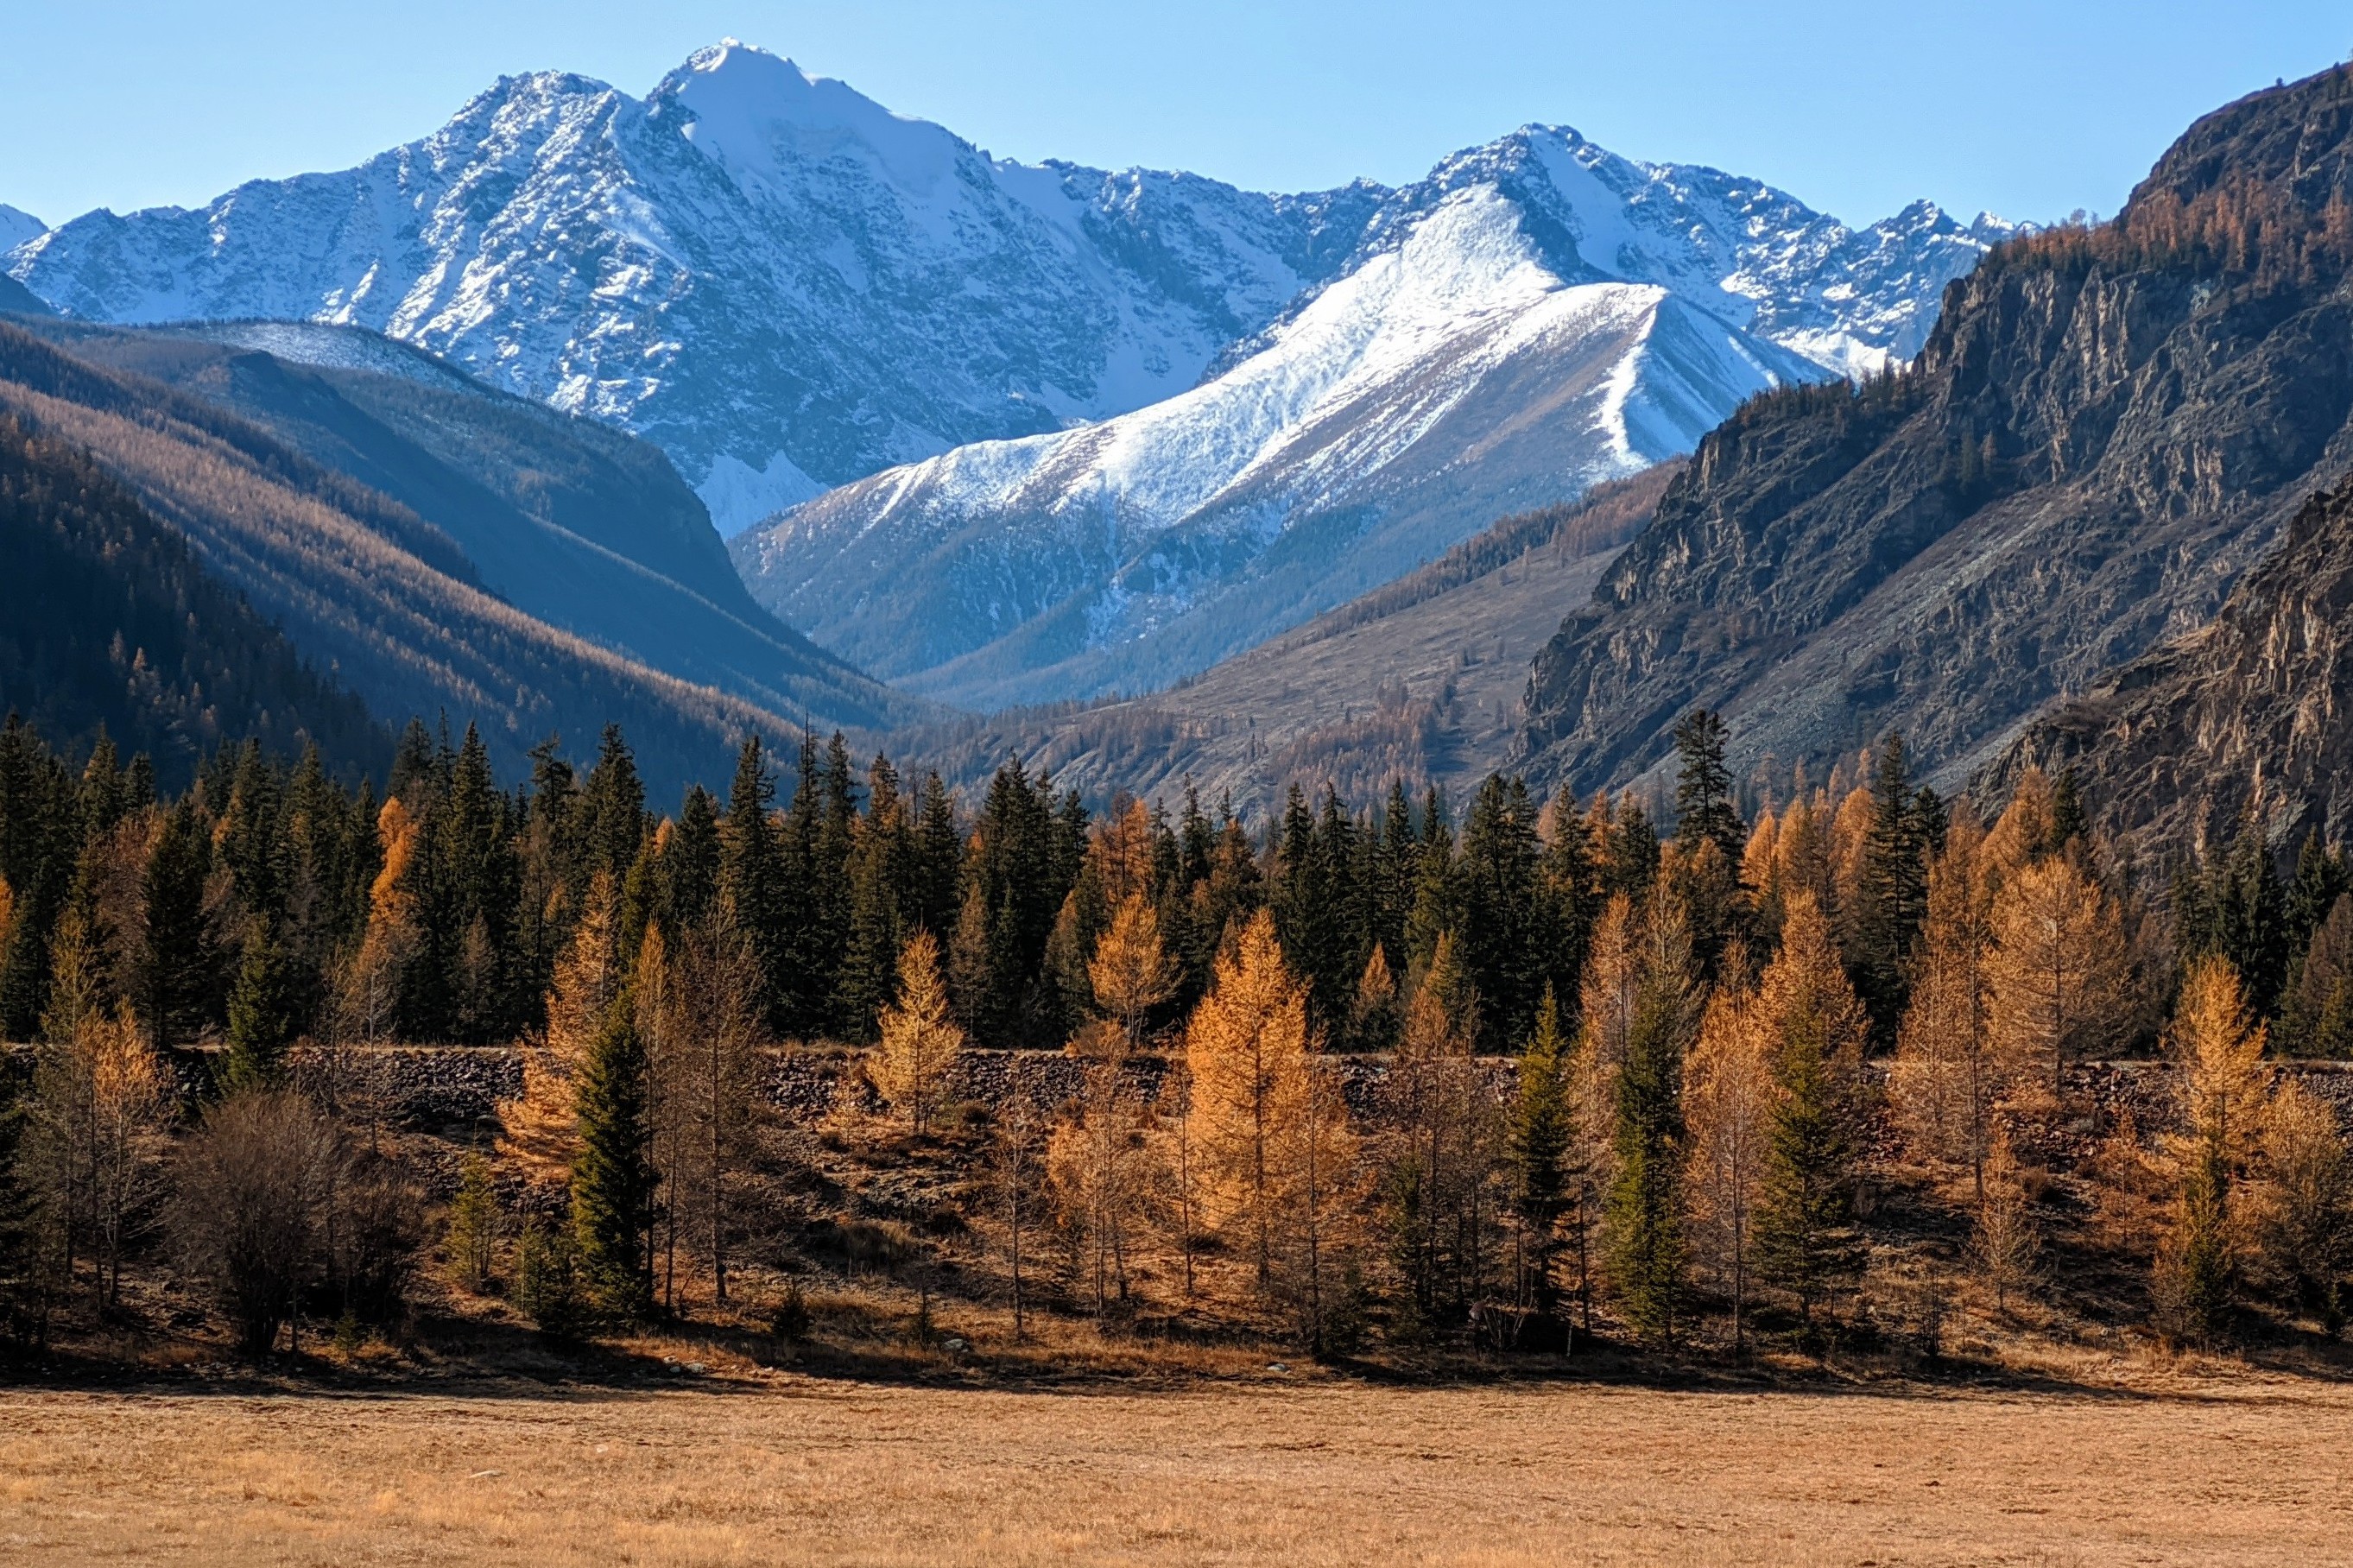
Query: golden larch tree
<point x="2005" y="1239"/>
<point x="2222" y="1087"/>
<point x="540" y="1129"/>
<point x="1949" y="1076"/>
<point x="1246" y="1051"/>
<point x="1131" y="972"/>
<point x="2054" y="975"/>
<point x="1728" y="1098"/>
<point x="921" y="1038"/>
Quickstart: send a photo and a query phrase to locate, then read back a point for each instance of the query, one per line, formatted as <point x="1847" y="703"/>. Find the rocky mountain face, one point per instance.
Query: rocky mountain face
<point x="2105" y="430"/>
<point x="431" y="545"/>
<point x="1537" y="316"/>
<point x="778" y="281"/>
<point x="2245" y="714"/>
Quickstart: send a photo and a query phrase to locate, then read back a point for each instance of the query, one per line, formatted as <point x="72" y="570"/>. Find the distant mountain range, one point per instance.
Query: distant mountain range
<point x="787" y="288"/>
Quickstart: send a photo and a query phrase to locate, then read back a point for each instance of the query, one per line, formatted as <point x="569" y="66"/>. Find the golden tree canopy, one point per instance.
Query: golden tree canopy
<point x="921" y="1038"/>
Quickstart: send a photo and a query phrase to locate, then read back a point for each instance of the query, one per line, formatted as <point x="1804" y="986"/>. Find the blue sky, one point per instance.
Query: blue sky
<point x="2030" y="109"/>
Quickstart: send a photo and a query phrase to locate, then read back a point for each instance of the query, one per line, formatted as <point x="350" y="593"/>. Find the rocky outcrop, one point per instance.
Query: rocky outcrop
<point x="2246" y="713"/>
<point x="2104" y="431"/>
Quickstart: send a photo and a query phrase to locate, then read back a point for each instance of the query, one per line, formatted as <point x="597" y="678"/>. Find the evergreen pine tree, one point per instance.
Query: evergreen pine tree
<point x="1539" y="1146"/>
<point x="1703" y="806"/>
<point x="1894" y="891"/>
<point x="613" y="1176"/>
<point x="176" y="962"/>
<point x="1643" y="1224"/>
<point x="260" y="1020"/>
<point x="751" y="877"/>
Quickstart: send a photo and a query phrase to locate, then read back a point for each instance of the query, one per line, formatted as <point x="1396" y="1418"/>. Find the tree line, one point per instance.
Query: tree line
<point x="1690" y="1126"/>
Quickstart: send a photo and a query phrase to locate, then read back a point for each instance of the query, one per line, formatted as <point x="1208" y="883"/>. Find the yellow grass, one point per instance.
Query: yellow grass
<point x="1296" y="1469"/>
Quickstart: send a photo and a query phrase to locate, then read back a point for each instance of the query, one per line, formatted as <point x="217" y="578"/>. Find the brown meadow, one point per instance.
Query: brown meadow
<point x="782" y="1467"/>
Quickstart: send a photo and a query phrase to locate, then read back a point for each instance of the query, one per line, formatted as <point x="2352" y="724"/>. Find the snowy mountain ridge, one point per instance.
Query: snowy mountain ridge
<point x="788" y="287"/>
<point x="1537" y="316"/>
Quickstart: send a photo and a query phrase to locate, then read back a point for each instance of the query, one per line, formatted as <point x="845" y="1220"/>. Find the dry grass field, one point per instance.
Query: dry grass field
<point x="784" y="1467"/>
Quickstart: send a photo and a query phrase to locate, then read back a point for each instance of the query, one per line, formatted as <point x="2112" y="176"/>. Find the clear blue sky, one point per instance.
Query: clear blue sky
<point x="2029" y="108"/>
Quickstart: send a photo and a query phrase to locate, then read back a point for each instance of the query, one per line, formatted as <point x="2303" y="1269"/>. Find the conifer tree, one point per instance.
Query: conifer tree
<point x="1506" y="934"/>
<point x="471" y="1242"/>
<point x="1950" y="1072"/>
<point x="540" y="1130"/>
<point x="920" y="1036"/>
<point x="1540" y="1137"/>
<point x="2316" y="1019"/>
<point x="1572" y="884"/>
<point x="699" y="1007"/>
<point x="751" y="877"/>
<point x="1098" y="1163"/>
<point x="939" y="851"/>
<point x="2224" y="1087"/>
<point x="2004" y="1240"/>
<point x="1634" y="859"/>
<point x="1374" y="1018"/>
<point x="1644" y="1231"/>
<point x="1130" y="973"/>
<point x="2054" y="973"/>
<point x="2321" y="879"/>
<point x="1893" y="891"/>
<point x="261" y="1021"/>
<point x="2307" y="1212"/>
<point x="882" y="900"/>
<point x="1443" y="1123"/>
<point x="689" y="864"/>
<point x="1246" y="1052"/>
<point x="1818" y="1027"/>
<point x="613" y="1175"/>
<point x="176" y="962"/>
<point x="1704" y="806"/>
<point x="1728" y="1101"/>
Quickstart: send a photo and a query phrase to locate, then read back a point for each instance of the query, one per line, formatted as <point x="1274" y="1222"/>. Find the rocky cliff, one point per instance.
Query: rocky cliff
<point x="2107" y="428"/>
<point x="2246" y="712"/>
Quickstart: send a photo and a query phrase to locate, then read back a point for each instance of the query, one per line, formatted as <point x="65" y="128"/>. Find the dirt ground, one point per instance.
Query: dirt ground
<point x="1289" y="1467"/>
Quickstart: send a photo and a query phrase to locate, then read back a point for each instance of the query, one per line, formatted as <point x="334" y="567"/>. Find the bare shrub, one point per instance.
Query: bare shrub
<point x="252" y="1186"/>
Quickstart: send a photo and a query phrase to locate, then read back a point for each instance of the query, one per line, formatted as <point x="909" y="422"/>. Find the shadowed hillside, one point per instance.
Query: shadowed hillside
<point x="422" y="595"/>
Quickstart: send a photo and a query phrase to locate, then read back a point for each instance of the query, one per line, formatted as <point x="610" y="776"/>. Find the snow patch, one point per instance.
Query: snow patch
<point x="737" y="495"/>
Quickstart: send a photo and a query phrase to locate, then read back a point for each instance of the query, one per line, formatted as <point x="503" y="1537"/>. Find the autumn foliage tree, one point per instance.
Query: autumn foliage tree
<point x="1728" y="1104"/>
<point x="1247" y="1054"/>
<point x="2054" y="975"/>
<point x="2223" y="1087"/>
<point x="921" y="1038"/>
<point x="1817" y="1029"/>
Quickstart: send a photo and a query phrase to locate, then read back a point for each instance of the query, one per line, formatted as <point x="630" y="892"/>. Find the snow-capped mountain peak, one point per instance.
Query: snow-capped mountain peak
<point x="790" y="288"/>
<point x="16" y="226"/>
<point x="765" y="118"/>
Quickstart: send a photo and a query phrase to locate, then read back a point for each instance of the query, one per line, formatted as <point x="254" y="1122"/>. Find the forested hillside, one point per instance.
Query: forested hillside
<point x="1420" y="679"/>
<point x="393" y="605"/>
<point x="113" y="626"/>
